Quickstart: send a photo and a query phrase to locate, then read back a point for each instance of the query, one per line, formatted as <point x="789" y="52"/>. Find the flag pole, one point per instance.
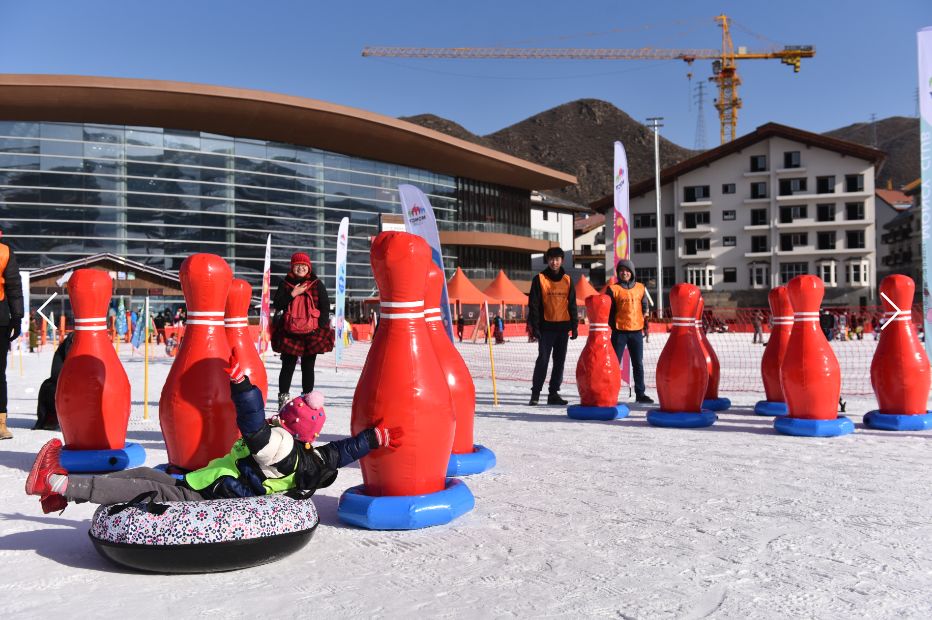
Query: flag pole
<point x="488" y="337"/>
<point x="145" y="381"/>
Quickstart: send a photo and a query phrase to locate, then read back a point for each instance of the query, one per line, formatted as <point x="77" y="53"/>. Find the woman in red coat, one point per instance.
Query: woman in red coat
<point x="299" y="291"/>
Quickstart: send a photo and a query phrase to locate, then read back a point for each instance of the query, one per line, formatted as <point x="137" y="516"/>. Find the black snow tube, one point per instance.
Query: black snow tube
<point x="202" y="537"/>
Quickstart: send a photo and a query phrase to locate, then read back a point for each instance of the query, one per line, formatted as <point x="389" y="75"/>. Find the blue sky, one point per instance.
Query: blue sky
<point x="865" y="60"/>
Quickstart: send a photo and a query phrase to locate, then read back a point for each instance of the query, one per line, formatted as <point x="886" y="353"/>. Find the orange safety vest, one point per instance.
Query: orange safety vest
<point x="556" y="296"/>
<point x="629" y="316"/>
<point x="4" y="259"/>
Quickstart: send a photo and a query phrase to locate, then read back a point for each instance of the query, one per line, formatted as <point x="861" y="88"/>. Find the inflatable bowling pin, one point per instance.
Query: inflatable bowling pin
<point x="402" y="384"/>
<point x="467" y="458"/>
<point x="682" y="372"/>
<point x="810" y="374"/>
<point x="92" y="396"/>
<point x="598" y="376"/>
<point x="236" y="325"/>
<point x="781" y="321"/>
<point x="195" y="411"/>
<point x="711" y="398"/>
<point x="900" y="369"/>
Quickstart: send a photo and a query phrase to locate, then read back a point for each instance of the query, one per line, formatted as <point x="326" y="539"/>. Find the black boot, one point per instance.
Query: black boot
<point x="643" y="399"/>
<point x="535" y="396"/>
<point x="555" y="399"/>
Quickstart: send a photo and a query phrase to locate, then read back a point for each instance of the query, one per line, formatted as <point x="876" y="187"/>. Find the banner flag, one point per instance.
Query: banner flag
<point x="265" y="307"/>
<point x="24" y="325"/>
<point x="622" y="231"/>
<point x="340" y="311"/>
<point x="420" y="221"/>
<point x="121" y="324"/>
<point x="925" y="165"/>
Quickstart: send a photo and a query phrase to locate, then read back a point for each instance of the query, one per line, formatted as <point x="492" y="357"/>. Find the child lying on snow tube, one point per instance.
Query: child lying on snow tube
<point x="273" y="456"/>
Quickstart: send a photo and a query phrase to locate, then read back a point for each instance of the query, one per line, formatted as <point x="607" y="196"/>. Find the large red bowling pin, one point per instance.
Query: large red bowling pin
<point x="402" y="382"/>
<point x="236" y="324"/>
<point x="195" y="411"/>
<point x="781" y="313"/>
<point x="598" y="376"/>
<point x="810" y="374"/>
<point x="900" y="368"/>
<point x="92" y="396"/>
<point x="462" y="389"/>
<point x="682" y="373"/>
<point x="711" y="359"/>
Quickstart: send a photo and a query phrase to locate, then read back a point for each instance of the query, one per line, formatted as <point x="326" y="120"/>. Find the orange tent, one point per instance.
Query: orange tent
<point x="611" y="281"/>
<point x="461" y="289"/>
<point x="584" y="289"/>
<point x="503" y="291"/>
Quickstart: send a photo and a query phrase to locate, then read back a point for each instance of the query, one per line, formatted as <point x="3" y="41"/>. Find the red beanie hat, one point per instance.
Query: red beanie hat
<point x="300" y="258"/>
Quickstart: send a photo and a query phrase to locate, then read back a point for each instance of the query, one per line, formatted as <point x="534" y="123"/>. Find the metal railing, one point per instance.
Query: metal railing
<point x="497" y="227"/>
<point x="516" y="275"/>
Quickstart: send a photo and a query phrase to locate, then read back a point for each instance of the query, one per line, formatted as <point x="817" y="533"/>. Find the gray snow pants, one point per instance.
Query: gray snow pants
<point x="122" y="486"/>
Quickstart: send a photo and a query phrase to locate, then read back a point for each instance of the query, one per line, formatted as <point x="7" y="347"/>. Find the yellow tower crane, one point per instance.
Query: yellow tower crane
<point x="724" y="67"/>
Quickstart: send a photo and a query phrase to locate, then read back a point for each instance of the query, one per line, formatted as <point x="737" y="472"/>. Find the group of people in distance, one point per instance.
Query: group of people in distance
<point x="553" y="320"/>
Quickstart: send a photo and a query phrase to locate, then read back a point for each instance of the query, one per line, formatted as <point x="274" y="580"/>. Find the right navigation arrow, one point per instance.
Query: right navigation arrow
<point x="895" y="314"/>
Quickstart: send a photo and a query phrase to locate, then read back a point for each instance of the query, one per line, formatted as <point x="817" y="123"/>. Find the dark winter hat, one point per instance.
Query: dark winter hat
<point x="554" y="252"/>
<point x="627" y="264"/>
<point x="300" y="258"/>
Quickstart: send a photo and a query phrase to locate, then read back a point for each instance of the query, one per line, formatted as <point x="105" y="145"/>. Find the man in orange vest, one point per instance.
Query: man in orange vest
<point x="628" y="318"/>
<point x="11" y="316"/>
<point x="552" y="320"/>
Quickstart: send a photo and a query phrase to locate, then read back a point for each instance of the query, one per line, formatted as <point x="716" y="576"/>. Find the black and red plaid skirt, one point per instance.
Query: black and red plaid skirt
<point x="318" y="341"/>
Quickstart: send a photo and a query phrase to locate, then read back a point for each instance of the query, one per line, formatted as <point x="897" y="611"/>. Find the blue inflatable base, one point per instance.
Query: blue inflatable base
<point x="582" y="412"/>
<point x="802" y="427"/>
<point x="406" y="512"/>
<point x="82" y="461"/>
<point x="681" y="419"/>
<point x="164" y="467"/>
<point x="895" y="422"/>
<point x="770" y="407"/>
<point x="479" y="460"/>
<point x="716" y="404"/>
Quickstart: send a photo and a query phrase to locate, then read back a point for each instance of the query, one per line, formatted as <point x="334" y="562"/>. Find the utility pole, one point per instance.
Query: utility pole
<point x="699" y="144"/>
<point x="654" y="122"/>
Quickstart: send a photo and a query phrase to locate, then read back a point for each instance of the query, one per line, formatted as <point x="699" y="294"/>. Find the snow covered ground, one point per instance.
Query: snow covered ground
<point x="578" y="519"/>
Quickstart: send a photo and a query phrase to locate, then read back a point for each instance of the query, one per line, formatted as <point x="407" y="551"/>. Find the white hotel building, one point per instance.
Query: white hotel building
<point x="749" y="215"/>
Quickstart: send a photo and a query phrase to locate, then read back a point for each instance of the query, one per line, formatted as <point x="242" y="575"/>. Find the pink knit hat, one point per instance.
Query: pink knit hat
<point x="304" y="416"/>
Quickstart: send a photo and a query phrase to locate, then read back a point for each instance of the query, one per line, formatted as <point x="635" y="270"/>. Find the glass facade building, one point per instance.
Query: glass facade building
<point x="158" y="195"/>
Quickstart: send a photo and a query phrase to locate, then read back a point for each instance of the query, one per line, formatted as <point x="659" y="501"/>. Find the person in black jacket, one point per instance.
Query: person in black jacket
<point x="552" y="320"/>
<point x="11" y="317"/>
<point x="300" y="280"/>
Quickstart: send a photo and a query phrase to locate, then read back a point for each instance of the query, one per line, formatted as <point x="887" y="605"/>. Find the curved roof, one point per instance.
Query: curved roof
<point x="503" y="290"/>
<point x="264" y="116"/>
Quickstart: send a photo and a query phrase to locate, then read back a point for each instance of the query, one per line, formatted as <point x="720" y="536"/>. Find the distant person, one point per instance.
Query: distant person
<point x="460" y="326"/>
<point x="757" y="322"/>
<point x="627" y="318"/>
<point x="875" y="327"/>
<point x="11" y="317"/>
<point x="498" y="329"/>
<point x="827" y="323"/>
<point x="552" y="321"/>
<point x="842" y="326"/>
<point x="159" y="321"/>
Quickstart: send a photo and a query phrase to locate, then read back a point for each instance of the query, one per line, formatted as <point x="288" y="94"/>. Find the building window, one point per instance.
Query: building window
<point x="789" y="242"/>
<point x="791" y="159"/>
<point x="826" y="271"/>
<point x="728" y="188"/>
<point x="759" y="189"/>
<point x="600" y="237"/>
<point x="760" y="275"/>
<point x="669" y="276"/>
<point x="855" y="239"/>
<point x="854" y="210"/>
<point x="788" y="215"/>
<point x="645" y="220"/>
<point x="729" y="241"/>
<point x="696" y="219"/>
<point x="669" y="243"/>
<point x="728" y="216"/>
<point x="760" y="243"/>
<point x="758" y="163"/>
<point x="788" y="271"/>
<point x="694" y="246"/>
<point x="644" y="246"/>
<point x="730" y="274"/>
<point x="858" y="273"/>
<point x="669" y="220"/>
<point x="825" y="240"/>
<point x="700" y="275"/>
<point x="788" y="187"/>
<point x="646" y="275"/>
<point x="825" y="213"/>
<point x="695" y="193"/>
<point x="759" y="217"/>
<point x="545" y="215"/>
<point x="854" y="182"/>
<point x="825" y="185"/>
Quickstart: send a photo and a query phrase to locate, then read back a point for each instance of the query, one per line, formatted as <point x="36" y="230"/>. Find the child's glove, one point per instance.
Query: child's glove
<point x="235" y="370"/>
<point x="388" y="437"/>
